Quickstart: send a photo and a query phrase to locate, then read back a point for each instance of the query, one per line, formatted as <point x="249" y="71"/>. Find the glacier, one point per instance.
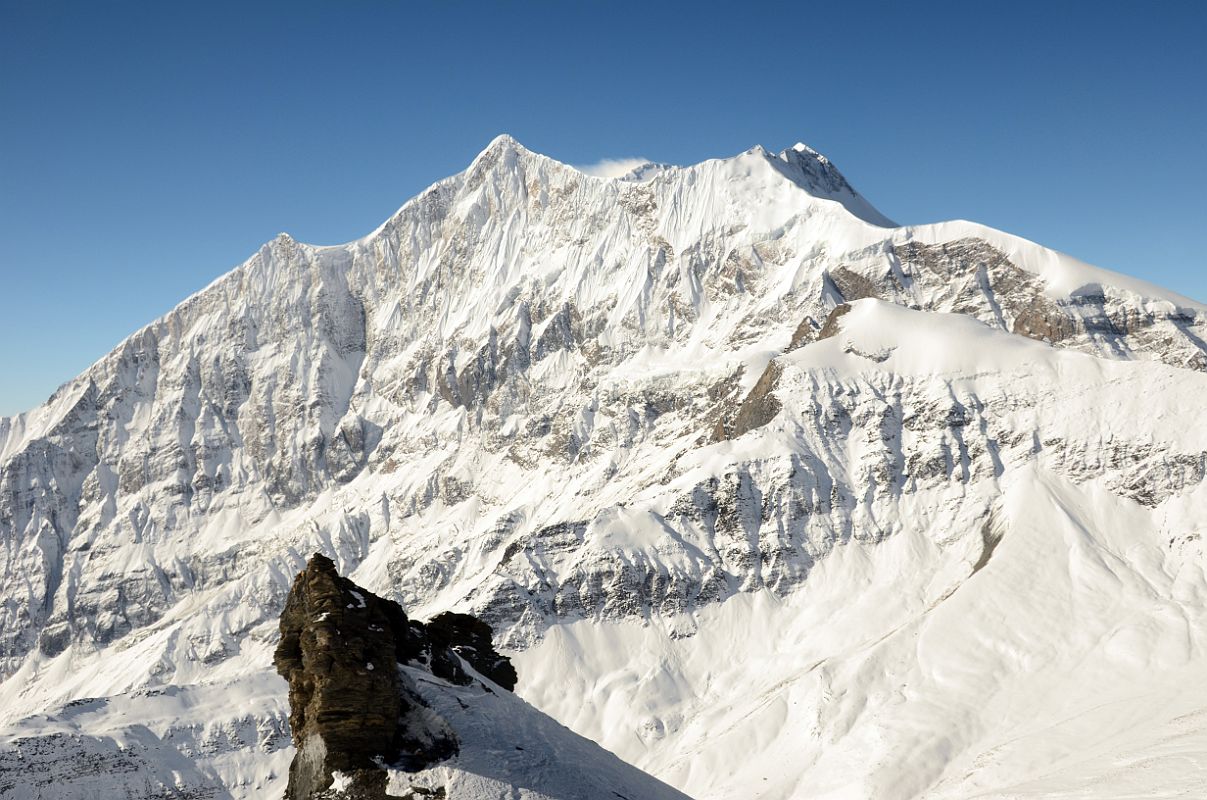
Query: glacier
<point x="767" y="495"/>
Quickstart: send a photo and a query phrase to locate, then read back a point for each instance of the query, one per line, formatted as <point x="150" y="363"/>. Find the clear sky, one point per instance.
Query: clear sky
<point x="147" y="148"/>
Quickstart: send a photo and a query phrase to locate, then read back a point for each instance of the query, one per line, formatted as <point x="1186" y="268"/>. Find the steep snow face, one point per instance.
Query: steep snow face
<point x="664" y="414"/>
<point x="509" y="749"/>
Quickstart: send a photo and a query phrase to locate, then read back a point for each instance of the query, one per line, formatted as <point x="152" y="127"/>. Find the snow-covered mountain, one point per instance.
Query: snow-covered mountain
<point x="766" y="495"/>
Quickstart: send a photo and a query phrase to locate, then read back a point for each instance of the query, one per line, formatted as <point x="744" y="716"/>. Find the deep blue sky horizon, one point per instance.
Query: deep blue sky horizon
<point x="147" y="148"/>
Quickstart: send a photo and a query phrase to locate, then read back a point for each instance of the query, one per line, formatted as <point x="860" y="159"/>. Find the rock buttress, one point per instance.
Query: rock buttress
<point x="350" y="711"/>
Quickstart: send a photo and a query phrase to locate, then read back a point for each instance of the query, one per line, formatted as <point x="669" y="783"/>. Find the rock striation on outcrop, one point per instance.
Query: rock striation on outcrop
<point x="353" y="711"/>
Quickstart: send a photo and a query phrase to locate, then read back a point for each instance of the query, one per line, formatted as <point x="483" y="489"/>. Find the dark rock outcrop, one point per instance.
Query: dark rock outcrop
<point x="352" y="710"/>
<point x="803" y="335"/>
<point x="809" y="331"/>
<point x="470" y="638"/>
<point x="831" y="325"/>
<point x="759" y="407"/>
<point x="851" y="285"/>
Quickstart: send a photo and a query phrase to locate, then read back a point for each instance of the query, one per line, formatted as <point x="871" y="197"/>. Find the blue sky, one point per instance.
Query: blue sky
<point x="147" y="148"/>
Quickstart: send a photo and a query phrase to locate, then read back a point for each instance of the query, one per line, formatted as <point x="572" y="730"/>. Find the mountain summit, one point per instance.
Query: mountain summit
<point x="765" y="495"/>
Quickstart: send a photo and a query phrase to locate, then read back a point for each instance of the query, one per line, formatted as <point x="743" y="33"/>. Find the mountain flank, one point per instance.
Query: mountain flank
<point x="625" y="428"/>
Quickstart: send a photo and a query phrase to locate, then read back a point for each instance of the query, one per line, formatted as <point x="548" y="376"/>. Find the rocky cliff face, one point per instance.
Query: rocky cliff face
<point x="353" y="711"/>
<point x="556" y="401"/>
<point x="350" y="712"/>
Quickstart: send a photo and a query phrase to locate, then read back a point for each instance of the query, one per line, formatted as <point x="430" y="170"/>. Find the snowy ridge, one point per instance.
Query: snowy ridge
<point x="508" y="749"/>
<point x="630" y="422"/>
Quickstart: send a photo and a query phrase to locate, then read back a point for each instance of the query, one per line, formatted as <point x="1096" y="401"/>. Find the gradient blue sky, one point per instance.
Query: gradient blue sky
<point x="147" y="148"/>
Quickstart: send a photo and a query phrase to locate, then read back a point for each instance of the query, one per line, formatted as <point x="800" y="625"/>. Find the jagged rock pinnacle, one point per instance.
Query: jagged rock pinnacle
<point x="351" y="710"/>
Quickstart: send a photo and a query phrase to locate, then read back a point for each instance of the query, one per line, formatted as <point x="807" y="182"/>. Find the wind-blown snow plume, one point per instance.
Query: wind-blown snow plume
<point x="612" y="167"/>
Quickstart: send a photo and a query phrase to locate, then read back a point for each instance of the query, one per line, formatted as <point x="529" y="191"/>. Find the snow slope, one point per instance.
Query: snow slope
<point x="231" y="739"/>
<point x="508" y="749"/>
<point x="768" y="496"/>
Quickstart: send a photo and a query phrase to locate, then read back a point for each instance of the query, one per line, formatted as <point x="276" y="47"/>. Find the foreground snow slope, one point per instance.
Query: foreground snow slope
<point x="231" y="739"/>
<point x="770" y="497"/>
<point x="508" y="749"/>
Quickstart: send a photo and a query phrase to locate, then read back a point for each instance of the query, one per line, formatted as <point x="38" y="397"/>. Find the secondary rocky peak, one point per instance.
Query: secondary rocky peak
<point x="818" y="176"/>
<point x="353" y="710"/>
